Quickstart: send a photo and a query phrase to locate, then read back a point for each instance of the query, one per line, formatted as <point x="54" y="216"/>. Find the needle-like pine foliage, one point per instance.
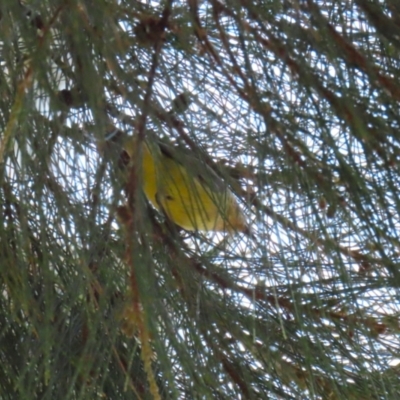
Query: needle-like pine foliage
<point x="295" y="104"/>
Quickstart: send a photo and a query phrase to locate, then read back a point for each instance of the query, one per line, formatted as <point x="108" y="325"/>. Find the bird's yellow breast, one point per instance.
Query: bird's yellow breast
<point x="186" y="190"/>
<point x="175" y="190"/>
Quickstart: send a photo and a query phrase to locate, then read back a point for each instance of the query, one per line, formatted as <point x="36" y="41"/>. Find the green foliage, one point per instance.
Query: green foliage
<point x="295" y="104"/>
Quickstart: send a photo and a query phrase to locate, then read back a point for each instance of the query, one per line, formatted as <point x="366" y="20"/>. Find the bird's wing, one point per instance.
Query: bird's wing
<point x="195" y="167"/>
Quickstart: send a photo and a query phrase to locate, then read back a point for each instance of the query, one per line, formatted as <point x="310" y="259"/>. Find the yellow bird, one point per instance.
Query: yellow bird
<point x="188" y="192"/>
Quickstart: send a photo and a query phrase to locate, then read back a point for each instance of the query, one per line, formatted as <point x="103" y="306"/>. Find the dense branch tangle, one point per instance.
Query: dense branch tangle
<point x="295" y="105"/>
